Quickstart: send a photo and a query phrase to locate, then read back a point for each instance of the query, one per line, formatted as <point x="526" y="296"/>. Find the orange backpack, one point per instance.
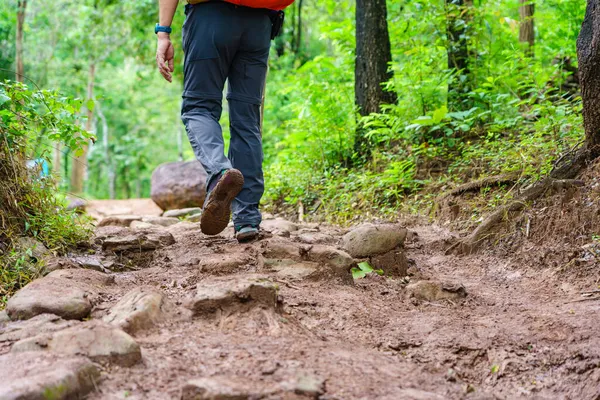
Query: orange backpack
<point x="270" y="4"/>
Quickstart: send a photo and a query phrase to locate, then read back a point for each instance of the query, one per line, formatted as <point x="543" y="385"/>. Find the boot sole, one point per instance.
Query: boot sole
<point x="217" y="212"/>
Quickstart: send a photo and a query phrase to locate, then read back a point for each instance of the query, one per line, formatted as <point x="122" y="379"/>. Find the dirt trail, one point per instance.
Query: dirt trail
<point x="282" y="319"/>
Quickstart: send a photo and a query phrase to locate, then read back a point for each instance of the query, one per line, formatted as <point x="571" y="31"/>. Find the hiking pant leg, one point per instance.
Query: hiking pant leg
<point x="246" y="84"/>
<point x="210" y="42"/>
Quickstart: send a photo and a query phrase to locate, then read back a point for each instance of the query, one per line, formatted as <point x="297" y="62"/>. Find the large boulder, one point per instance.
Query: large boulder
<point x="179" y="185"/>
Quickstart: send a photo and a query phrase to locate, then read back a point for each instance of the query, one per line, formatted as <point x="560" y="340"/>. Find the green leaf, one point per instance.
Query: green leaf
<point x="365" y="267"/>
<point x="358" y="273"/>
<point x="90" y="105"/>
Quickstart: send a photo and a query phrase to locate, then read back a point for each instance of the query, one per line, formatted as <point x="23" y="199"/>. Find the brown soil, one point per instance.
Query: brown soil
<point x="523" y="331"/>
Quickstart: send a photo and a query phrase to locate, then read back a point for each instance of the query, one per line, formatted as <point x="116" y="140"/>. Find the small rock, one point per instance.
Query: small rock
<point x="91" y="262"/>
<point x="184" y="212"/>
<point x="138" y="241"/>
<point x="308" y="385"/>
<point x="36" y="248"/>
<point x="279" y="225"/>
<point x="416" y="394"/>
<point x="368" y="240"/>
<point x="220" y="294"/>
<point x="46" y="376"/>
<point x="435" y="291"/>
<point x="65" y="293"/>
<point x="160" y="221"/>
<point x="140" y="225"/>
<point x="223" y="388"/>
<point x="226" y="263"/>
<point x="178" y="185"/>
<point x="4" y="317"/>
<point x="119" y="220"/>
<point x="139" y="309"/>
<point x="44" y="323"/>
<point x="76" y="204"/>
<point x="194" y="218"/>
<point x="314" y="238"/>
<point x="95" y="340"/>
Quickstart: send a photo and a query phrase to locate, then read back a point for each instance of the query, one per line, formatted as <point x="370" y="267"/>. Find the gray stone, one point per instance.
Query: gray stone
<point x="36" y="248"/>
<point x="314" y="238"/>
<point x="221" y="388"/>
<point x="98" y="341"/>
<point x="278" y="226"/>
<point x="181" y="213"/>
<point x="119" y="220"/>
<point x="309" y="385"/>
<point x="435" y="291"/>
<point x="160" y="221"/>
<point x="4" y="317"/>
<point x="65" y="293"/>
<point x="76" y="204"/>
<point x="33" y="376"/>
<point x="179" y="185"/>
<point x="368" y="240"/>
<point x="140" y="225"/>
<point x="139" y="309"/>
<point x="138" y="241"/>
<point x="43" y="323"/>
<point x="229" y="294"/>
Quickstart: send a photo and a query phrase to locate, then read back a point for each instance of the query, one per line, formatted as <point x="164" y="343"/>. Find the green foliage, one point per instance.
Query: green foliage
<point x="29" y="204"/>
<point x="364" y="269"/>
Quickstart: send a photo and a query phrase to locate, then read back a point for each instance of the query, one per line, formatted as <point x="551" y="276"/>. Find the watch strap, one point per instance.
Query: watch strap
<point x="159" y="28"/>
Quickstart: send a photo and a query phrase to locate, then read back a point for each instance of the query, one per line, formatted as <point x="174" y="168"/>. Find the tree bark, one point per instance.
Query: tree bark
<point x="457" y="20"/>
<point x="373" y="56"/>
<point x="79" y="169"/>
<point x="527" y="25"/>
<point x="588" y="54"/>
<point x="21" y="7"/>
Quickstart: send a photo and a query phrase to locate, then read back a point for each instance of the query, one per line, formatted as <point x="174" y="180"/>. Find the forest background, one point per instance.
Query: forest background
<point x="484" y="88"/>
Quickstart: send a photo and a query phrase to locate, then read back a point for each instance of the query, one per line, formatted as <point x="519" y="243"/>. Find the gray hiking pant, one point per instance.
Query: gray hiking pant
<point x="222" y="41"/>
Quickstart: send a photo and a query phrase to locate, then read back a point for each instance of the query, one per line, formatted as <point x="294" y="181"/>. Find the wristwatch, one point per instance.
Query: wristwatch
<point x="158" y="28"/>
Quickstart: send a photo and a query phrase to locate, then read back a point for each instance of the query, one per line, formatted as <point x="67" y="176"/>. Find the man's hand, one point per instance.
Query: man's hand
<point x="164" y="56"/>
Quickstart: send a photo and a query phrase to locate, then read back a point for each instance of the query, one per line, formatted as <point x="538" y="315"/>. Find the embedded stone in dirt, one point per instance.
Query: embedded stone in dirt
<point x="119" y="220"/>
<point x="292" y="269"/>
<point x="140" y="225"/>
<point x="46" y="376"/>
<point x="435" y="291"/>
<point x="138" y="241"/>
<point x="416" y="394"/>
<point x="368" y="239"/>
<point x="65" y="293"/>
<point x="279" y="226"/>
<point x="223" y="388"/>
<point x="160" y="221"/>
<point x="314" y="238"/>
<point x="307" y="385"/>
<point x="226" y="263"/>
<point x="221" y="294"/>
<point x="179" y="185"/>
<point x="98" y="341"/>
<point x="4" y="317"/>
<point x="44" y="323"/>
<point x="139" y="309"/>
<point x="181" y="213"/>
<point x="392" y="263"/>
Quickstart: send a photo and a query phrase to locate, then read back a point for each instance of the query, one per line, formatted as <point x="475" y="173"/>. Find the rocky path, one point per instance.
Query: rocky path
<point x="156" y="310"/>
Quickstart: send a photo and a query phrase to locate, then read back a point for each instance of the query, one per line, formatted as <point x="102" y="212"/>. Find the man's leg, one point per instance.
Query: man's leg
<point x="246" y="83"/>
<point x="206" y="67"/>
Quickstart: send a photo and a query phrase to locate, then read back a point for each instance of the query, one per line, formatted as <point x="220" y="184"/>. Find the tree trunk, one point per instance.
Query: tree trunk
<point x="79" y="170"/>
<point x="527" y="25"/>
<point x="458" y="19"/>
<point x="588" y="54"/>
<point x="21" y="7"/>
<point x="373" y="56"/>
<point x="110" y="169"/>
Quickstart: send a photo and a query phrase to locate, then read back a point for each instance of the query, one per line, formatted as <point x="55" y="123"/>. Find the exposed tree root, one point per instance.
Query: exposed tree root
<point x="565" y="169"/>
<point x="495" y="180"/>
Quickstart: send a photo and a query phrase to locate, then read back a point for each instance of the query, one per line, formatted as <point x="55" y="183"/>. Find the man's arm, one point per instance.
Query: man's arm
<point x="164" y="50"/>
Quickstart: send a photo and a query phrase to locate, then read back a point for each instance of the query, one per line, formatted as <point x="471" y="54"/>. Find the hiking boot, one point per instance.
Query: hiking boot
<point x="217" y="209"/>
<point x="246" y="233"/>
